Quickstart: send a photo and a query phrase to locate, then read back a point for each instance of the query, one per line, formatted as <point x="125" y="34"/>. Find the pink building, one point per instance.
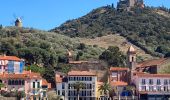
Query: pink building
<point x="14" y="78"/>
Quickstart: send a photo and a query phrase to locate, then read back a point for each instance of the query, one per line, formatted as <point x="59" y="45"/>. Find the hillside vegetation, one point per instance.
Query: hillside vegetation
<point x="146" y="28"/>
<point x="41" y="47"/>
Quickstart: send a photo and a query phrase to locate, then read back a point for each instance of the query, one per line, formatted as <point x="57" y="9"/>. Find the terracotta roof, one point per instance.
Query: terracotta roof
<point x="118" y="83"/>
<point x="58" y="79"/>
<point x="153" y="75"/>
<point x="81" y="73"/>
<point x="44" y="82"/>
<point x="149" y="63"/>
<point x="77" y="62"/>
<point x="118" y="69"/>
<point x="10" y="58"/>
<point x="24" y="75"/>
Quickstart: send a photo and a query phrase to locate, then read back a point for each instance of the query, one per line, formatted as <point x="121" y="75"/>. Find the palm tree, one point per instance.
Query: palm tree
<point x="105" y="88"/>
<point x="1" y="85"/>
<point x="78" y="86"/>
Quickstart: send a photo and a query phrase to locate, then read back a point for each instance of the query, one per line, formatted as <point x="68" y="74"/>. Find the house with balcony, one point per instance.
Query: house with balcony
<point x="14" y="78"/>
<point x="153" y="86"/>
<point x="65" y="85"/>
<point x="147" y="76"/>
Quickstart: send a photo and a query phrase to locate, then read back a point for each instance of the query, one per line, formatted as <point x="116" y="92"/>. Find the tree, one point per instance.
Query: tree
<point x="105" y="88"/>
<point x="79" y="54"/>
<point x="78" y="86"/>
<point x="81" y="46"/>
<point x="1" y="85"/>
<point x="113" y="56"/>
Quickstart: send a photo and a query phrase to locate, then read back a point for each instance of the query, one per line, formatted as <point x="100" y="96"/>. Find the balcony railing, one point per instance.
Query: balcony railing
<point x="125" y="98"/>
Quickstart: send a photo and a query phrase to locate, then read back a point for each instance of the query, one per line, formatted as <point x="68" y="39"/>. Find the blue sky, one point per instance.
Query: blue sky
<point x="47" y="14"/>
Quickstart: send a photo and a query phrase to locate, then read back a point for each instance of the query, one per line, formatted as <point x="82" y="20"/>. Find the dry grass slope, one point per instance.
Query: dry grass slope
<point x="114" y="40"/>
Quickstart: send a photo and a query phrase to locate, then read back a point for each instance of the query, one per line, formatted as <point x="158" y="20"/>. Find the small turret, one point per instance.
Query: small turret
<point x="18" y="22"/>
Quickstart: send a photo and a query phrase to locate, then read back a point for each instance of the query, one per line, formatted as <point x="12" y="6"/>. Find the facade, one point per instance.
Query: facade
<point x="150" y="84"/>
<point x="65" y="85"/>
<point x="153" y="86"/>
<point x="14" y="78"/>
<point x="11" y="64"/>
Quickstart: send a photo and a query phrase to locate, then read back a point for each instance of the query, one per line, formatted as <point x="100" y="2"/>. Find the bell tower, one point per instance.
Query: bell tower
<point x="131" y="57"/>
<point x="131" y="62"/>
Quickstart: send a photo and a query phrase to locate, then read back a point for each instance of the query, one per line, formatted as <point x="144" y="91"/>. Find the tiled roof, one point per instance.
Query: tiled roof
<point x="10" y="58"/>
<point x="118" y="69"/>
<point x="77" y="62"/>
<point x="24" y="75"/>
<point x="152" y="62"/>
<point x="81" y="73"/>
<point x="153" y="75"/>
<point x="118" y="83"/>
<point x="44" y="82"/>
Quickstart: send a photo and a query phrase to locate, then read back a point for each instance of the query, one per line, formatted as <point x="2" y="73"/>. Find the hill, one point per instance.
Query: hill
<point x="41" y="47"/>
<point x="146" y="28"/>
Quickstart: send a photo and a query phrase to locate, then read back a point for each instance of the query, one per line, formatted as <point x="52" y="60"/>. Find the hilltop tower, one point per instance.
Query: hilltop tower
<point x="18" y="22"/>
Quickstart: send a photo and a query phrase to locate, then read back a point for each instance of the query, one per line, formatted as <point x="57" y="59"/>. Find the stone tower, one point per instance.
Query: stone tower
<point x="131" y="56"/>
<point x="132" y="3"/>
<point x="131" y="61"/>
<point x="18" y="22"/>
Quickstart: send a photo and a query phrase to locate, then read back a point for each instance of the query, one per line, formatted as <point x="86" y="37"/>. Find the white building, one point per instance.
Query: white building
<point x="151" y="86"/>
<point x="65" y="85"/>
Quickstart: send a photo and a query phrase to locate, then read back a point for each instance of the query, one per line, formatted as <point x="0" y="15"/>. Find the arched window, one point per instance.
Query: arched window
<point x="132" y="59"/>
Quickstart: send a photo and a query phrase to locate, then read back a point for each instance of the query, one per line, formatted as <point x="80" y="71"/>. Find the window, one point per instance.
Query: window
<point x="158" y="82"/>
<point x="38" y="84"/>
<point x="58" y="92"/>
<point x="165" y="88"/>
<point x="13" y="83"/>
<point x="63" y="86"/>
<point x="83" y="79"/>
<point x="16" y="82"/>
<point x="9" y="82"/>
<point x="151" y="81"/>
<point x="143" y="82"/>
<point x="165" y="82"/>
<point x="143" y="88"/>
<point x="33" y="84"/>
<point x="151" y="88"/>
<point x="23" y="82"/>
<point x="63" y="93"/>
<point x="90" y="78"/>
<point x="114" y="74"/>
<point x="19" y="82"/>
<point x="158" y="88"/>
